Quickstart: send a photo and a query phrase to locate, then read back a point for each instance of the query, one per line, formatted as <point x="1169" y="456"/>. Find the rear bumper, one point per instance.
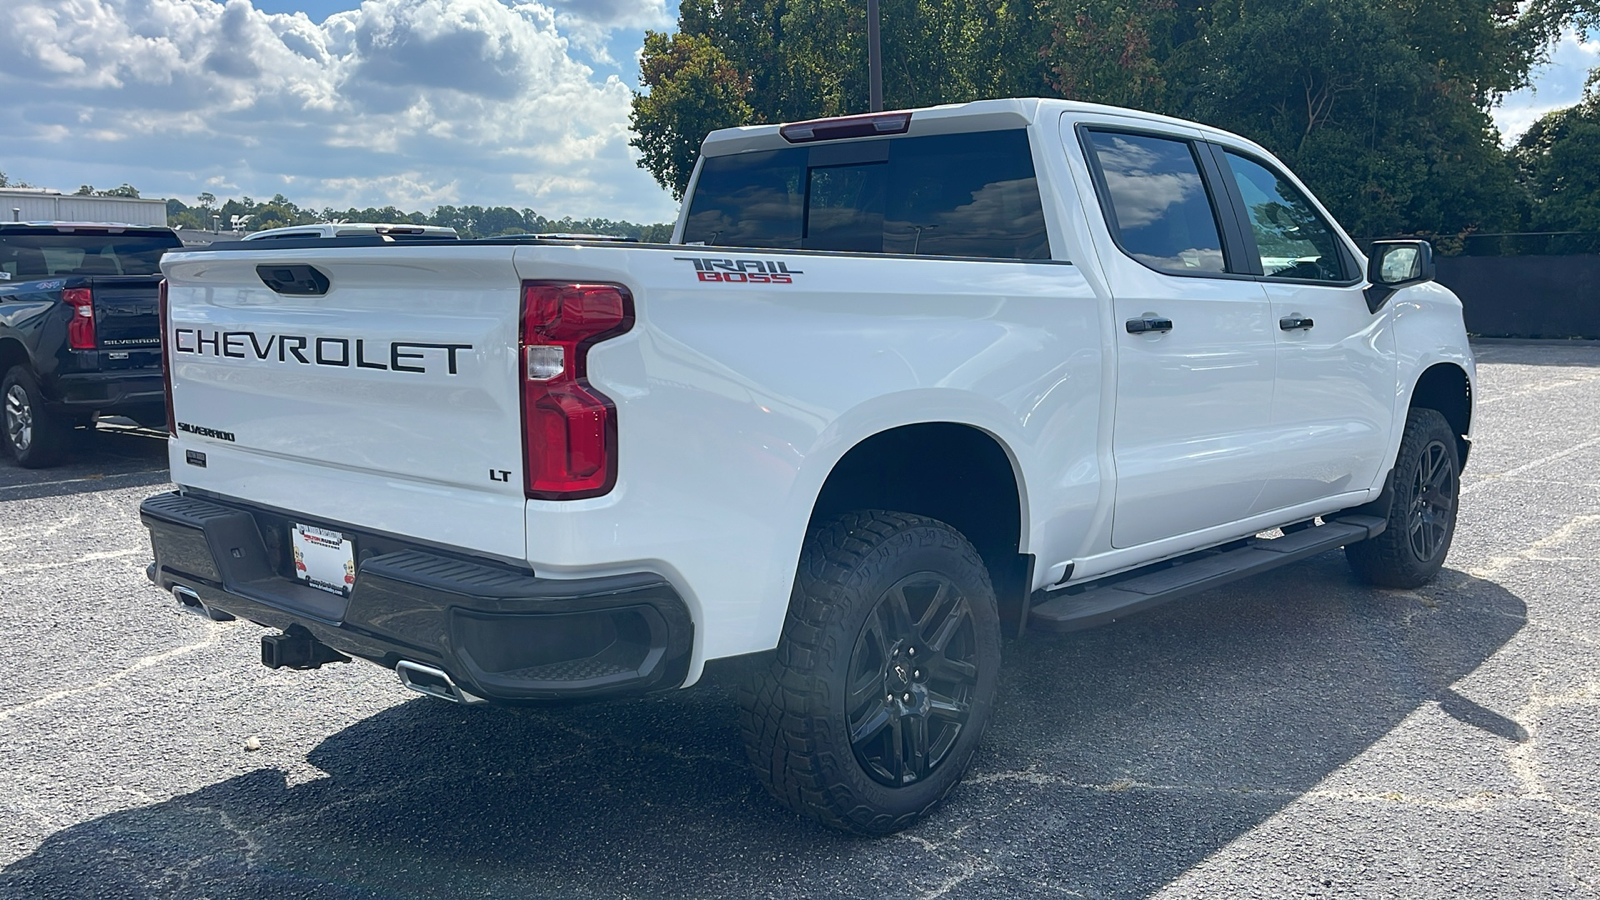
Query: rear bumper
<point x="501" y="633"/>
<point x="114" y="391"/>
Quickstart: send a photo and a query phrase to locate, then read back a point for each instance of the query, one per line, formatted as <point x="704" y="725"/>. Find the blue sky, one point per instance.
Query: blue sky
<point x="340" y="103"/>
<point x="1555" y="85"/>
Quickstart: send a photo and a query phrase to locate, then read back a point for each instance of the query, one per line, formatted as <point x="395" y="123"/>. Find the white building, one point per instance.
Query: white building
<point x="31" y="205"/>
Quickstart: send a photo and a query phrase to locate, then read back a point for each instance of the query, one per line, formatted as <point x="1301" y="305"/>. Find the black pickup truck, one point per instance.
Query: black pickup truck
<point x="80" y="334"/>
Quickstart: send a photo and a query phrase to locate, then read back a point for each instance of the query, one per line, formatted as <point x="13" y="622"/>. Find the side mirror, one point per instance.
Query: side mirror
<point x="1394" y="265"/>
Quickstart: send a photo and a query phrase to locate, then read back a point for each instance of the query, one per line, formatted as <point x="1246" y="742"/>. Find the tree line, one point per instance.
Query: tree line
<point x="469" y="221"/>
<point x="1382" y="106"/>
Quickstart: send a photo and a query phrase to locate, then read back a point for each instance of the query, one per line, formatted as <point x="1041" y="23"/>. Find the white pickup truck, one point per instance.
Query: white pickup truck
<point x="899" y="384"/>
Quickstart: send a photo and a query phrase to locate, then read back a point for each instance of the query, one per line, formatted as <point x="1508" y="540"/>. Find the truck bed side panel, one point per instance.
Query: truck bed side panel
<point x="735" y="400"/>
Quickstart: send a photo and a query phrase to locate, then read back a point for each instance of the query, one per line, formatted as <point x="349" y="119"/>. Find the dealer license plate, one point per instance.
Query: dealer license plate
<point x="324" y="559"/>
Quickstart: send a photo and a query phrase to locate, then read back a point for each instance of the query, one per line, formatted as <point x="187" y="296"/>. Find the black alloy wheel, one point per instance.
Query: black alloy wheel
<point x="885" y="675"/>
<point x="912" y="676"/>
<point x="1432" y="501"/>
<point x="1424" y="496"/>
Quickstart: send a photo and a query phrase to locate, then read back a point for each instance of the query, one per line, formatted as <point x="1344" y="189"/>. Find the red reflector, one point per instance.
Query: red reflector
<point x="569" y="429"/>
<point x="166" y="358"/>
<point x="80" y="331"/>
<point x="846" y="127"/>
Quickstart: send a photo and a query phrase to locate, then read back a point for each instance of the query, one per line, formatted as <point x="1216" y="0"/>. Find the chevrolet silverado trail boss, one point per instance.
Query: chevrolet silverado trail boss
<point x="78" y="330"/>
<point x="900" y="383"/>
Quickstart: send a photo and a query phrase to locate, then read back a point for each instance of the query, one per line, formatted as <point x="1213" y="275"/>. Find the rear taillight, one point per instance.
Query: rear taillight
<point x="166" y="357"/>
<point x="80" y="331"/>
<point x="569" y="429"/>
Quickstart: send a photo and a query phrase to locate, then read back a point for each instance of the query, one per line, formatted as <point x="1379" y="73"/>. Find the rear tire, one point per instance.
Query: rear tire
<point x="34" y="436"/>
<point x="1424" y="490"/>
<point x="885" y="674"/>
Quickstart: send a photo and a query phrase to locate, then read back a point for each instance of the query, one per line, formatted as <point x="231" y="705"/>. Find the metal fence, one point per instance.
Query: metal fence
<point x="1543" y="284"/>
<point x="1526" y="296"/>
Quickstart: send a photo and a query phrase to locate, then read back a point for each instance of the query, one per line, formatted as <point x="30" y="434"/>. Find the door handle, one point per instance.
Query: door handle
<point x="1293" y="323"/>
<point x="1143" y="324"/>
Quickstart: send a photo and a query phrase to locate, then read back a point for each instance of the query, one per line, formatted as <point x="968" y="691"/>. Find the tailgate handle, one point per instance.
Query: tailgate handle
<point x="303" y="280"/>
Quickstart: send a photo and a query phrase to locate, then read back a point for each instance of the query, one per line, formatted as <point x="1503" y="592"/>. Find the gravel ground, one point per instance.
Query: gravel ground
<point x="1293" y="735"/>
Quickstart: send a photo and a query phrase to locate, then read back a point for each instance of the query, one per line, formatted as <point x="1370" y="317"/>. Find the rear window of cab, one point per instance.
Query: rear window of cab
<point x="965" y="195"/>
<point x="27" y="255"/>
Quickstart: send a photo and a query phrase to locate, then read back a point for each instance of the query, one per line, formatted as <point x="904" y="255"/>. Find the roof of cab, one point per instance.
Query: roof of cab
<point x="979" y="115"/>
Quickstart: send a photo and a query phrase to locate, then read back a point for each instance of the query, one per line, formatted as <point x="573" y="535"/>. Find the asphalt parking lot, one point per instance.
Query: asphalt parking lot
<point x="1297" y="735"/>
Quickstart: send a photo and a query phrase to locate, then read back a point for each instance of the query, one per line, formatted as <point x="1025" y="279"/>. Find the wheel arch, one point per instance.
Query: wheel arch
<point x="954" y="472"/>
<point x="12" y="353"/>
<point x="1446" y="387"/>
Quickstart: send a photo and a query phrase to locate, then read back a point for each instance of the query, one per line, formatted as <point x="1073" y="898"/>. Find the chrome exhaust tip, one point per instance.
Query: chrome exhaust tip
<point x="433" y="682"/>
<point x="190" y="601"/>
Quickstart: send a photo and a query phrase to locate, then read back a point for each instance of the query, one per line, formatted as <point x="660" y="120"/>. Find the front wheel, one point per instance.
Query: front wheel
<point x="885" y="674"/>
<point x="1425" y="490"/>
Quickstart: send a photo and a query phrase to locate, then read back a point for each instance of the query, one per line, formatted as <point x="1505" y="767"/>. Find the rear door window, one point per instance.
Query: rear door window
<point x="1160" y="210"/>
<point x="967" y="195"/>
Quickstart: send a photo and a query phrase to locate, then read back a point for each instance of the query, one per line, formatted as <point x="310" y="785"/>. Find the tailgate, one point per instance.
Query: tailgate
<point x="390" y="402"/>
<point x="125" y="314"/>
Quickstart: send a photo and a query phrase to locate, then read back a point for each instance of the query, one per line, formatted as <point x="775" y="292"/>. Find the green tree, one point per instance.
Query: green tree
<point x="735" y="62"/>
<point x="1544" y="21"/>
<point x="1381" y="107"/>
<point x="1558" y="160"/>
<point x="694" y="89"/>
<point x="1112" y="51"/>
<point x="125" y="190"/>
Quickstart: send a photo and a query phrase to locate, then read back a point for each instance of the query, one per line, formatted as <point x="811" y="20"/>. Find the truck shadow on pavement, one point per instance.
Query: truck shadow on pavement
<point x="1118" y="760"/>
<point x="104" y="458"/>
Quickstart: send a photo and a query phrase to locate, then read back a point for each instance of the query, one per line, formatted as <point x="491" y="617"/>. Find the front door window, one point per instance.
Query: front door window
<point x="1293" y="240"/>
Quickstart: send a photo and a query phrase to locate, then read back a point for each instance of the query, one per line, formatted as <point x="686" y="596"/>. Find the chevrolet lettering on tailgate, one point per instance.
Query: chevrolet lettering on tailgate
<point x="401" y="356"/>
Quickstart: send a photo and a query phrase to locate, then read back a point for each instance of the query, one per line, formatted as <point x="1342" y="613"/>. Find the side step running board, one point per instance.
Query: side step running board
<point x="1123" y="595"/>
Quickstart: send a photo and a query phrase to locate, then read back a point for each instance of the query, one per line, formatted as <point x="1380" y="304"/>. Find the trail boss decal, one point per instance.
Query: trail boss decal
<point x="340" y="353"/>
<point x="742" y="271"/>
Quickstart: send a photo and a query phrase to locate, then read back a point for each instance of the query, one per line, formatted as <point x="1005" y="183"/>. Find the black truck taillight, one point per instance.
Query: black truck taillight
<point x="569" y="429"/>
<point x="166" y="356"/>
<point x="80" y="331"/>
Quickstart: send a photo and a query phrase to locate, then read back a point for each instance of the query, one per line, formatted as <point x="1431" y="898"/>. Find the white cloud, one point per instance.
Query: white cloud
<point x="410" y="102"/>
<point x="1557" y="85"/>
<point x="590" y="22"/>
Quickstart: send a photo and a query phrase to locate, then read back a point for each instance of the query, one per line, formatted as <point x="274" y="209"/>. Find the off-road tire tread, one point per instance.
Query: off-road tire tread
<point x="782" y="709"/>
<point x="1387" y="560"/>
